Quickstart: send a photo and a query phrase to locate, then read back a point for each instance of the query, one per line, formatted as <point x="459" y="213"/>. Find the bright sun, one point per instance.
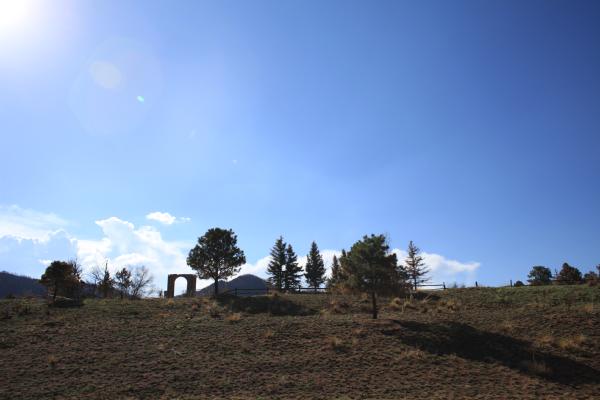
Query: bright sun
<point x="15" y="16"/>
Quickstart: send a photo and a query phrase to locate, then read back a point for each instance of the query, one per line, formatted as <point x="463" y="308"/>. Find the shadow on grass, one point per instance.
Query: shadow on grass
<point x="274" y="305"/>
<point x="470" y="343"/>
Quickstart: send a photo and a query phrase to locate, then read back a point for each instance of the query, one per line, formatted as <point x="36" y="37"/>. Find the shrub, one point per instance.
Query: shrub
<point x="519" y="284"/>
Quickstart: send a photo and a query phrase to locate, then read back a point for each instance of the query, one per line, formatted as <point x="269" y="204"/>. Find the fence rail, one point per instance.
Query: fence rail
<point x="301" y="290"/>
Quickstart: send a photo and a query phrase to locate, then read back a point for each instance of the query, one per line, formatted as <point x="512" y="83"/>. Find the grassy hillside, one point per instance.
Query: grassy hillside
<point x="461" y="343"/>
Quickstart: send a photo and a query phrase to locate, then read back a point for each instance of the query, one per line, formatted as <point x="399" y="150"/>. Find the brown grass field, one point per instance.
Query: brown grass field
<point x="528" y="343"/>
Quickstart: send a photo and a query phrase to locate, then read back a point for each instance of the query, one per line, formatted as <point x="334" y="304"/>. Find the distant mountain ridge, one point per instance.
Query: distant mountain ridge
<point x="247" y="281"/>
<point x="19" y="286"/>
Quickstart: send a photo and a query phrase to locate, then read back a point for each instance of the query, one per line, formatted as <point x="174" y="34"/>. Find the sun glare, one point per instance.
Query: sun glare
<point x="15" y="16"/>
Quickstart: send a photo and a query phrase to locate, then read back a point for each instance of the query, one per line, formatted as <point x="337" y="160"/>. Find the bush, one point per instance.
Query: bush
<point x="519" y="284"/>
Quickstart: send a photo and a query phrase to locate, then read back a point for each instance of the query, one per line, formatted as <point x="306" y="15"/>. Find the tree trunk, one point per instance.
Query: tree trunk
<point x="216" y="287"/>
<point x="374" y="301"/>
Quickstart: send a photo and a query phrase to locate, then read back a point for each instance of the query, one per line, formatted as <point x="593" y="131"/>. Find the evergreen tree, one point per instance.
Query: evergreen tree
<point x="59" y="277"/>
<point x="315" y="267"/>
<point x="277" y="264"/>
<point x="336" y="276"/>
<point x="415" y="267"/>
<point x="539" y="275"/>
<point x="293" y="272"/>
<point x="216" y="256"/>
<point x="568" y="275"/>
<point x="371" y="268"/>
<point x="107" y="283"/>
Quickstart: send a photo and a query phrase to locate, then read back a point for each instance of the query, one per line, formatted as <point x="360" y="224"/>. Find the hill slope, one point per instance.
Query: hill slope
<point x="17" y="285"/>
<point x="463" y="343"/>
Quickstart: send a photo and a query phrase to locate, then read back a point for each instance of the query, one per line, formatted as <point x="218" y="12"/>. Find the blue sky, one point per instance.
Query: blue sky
<point x="470" y="127"/>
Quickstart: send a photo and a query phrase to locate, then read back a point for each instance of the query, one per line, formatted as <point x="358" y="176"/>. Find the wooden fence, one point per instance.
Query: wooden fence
<point x="307" y="290"/>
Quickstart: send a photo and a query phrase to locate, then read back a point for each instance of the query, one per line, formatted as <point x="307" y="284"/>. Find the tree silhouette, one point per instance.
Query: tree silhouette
<point x="315" y="267"/>
<point x="216" y="256"/>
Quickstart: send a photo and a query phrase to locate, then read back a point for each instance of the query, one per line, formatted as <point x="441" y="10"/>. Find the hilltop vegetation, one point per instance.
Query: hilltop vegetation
<point x="528" y="342"/>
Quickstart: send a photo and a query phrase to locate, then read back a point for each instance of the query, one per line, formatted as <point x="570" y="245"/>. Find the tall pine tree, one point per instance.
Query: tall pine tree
<point x="277" y="264"/>
<point x="315" y="267"/>
<point x="415" y="267"/>
<point x="293" y="271"/>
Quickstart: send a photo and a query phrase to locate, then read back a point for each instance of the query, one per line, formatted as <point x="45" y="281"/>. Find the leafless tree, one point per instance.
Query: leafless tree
<point x="141" y="282"/>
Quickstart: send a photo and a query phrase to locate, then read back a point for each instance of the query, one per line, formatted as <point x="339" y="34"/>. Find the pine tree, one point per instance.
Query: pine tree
<point x="216" y="256"/>
<point x="59" y="277"/>
<point x="315" y="267"/>
<point x="415" y="267"/>
<point x="293" y="271"/>
<point x="336" y="276"/>
<point x="107" y="282"/>
<point x="277" y="264"/>
<point x="371" y="268"/>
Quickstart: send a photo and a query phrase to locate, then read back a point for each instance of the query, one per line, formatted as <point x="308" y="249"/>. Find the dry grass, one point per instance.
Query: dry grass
<point x="235" y="317"/>
<point x="269" y="333"/>
<point x="589" y="308"/>
<point x="572" y="343"/>
<point x="154" y="349"/>
<point x="335" y="343"/>
<point x="507" y="326"/>
<point x="536" y="368"/>
<point x="397" y="304"/>
<point x="52" y="361"/>
<point x="412" y="354"/>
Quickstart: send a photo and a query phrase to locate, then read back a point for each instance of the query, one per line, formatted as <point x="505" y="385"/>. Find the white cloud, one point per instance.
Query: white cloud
<point x="442" y="269"/>
<point x="29" y="256"/>
<point x="123" y="244"/>
<point x="165" y="218"/>
<point x="28" y="224"/>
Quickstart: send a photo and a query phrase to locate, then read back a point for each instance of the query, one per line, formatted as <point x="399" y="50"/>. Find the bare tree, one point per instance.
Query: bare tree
<point x="141" y="282"/>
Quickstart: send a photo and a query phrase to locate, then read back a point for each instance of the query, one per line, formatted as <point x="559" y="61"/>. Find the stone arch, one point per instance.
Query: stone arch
<point x="191" y="284"/>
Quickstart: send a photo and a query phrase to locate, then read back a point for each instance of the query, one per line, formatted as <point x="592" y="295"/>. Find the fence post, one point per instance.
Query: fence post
<point x="511" y="283"/>
<point x="444" y="285"/>
<point x="476" y="285"/>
